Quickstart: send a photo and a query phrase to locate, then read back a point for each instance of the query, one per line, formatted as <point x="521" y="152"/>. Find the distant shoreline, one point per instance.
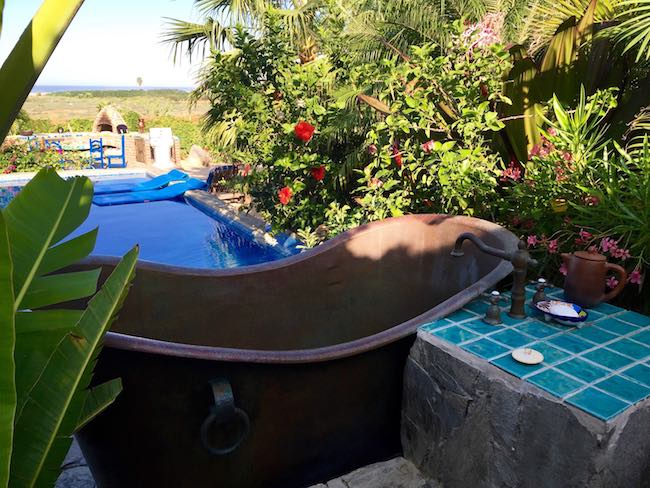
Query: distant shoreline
<point x="91" y="88"/>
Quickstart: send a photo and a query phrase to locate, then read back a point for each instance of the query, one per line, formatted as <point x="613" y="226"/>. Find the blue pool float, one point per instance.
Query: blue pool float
<point x="170" y="192"/>
<point x="153" y="184"/>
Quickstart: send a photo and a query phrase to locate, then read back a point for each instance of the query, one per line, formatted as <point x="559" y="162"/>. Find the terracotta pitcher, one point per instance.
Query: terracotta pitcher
<point x="585" y="279"/>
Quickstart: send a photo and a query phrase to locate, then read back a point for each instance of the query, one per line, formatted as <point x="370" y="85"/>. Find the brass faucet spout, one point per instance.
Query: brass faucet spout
<point x="520" y="260"/>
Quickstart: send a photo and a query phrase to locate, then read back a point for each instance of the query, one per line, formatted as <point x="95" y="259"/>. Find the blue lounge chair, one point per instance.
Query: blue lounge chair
<point x="96" y="150"/>
<point x="153" y="184"/>
<point x="168" y="193"/>
<point x="117" y="157"/>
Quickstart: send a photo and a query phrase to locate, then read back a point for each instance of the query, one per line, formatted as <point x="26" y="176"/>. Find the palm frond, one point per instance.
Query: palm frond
<point x="638" y="132"/>
<point x="634" y="30"/>
<point x="193" y="38"/>
<point x="546" y="16"/>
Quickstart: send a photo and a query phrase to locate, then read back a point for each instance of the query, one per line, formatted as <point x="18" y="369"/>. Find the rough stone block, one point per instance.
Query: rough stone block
<point x="467" y="423"/>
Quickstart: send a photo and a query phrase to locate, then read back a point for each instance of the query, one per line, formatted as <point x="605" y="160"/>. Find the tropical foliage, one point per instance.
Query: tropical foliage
<point x="48" y="350"/>
<point x="409" y="114"/>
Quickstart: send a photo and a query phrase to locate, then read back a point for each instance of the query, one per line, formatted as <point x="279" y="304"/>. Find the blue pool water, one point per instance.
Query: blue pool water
<point x="169" y="232"/>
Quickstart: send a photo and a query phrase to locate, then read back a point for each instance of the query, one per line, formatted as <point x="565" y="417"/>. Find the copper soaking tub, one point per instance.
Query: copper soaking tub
<point x="283" y="374"/>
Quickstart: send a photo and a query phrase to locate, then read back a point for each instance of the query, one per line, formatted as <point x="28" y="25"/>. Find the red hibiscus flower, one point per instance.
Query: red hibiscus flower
<point x="284" y="195"/>
<point x="304" y="131"/>
<point x="247" y="170"/>
<point x="318" y="173"/>
<point x="397" y="156"/>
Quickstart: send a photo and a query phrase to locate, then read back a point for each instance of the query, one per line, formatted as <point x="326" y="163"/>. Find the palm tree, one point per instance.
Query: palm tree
<point x="200" y="38"/>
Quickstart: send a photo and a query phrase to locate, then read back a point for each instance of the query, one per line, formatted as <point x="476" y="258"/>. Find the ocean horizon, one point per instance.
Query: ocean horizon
<point x="67" y="88"/>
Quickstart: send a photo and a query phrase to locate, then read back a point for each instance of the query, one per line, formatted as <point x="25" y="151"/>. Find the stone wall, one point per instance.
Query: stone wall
<point x="137" y="147"/>
<point x="466" y="423"/>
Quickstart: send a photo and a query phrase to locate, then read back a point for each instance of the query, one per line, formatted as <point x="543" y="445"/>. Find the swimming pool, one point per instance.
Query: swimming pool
<point x="168" y="232"/>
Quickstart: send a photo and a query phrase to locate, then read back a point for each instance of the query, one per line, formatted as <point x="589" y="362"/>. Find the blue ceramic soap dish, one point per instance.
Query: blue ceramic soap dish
<point x="563" y="312"/>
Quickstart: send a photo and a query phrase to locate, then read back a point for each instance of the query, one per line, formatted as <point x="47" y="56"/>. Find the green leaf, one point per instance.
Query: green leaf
<point x="97" y="400"/>
<point x="50" y="415"/>
<point x="523" y="131"/>
<point x="38" y="334"/>
<point x="46" y="210"/>
<point x="53" y="289"/>
<point x="26" y="61"/>
<point x="7" y="363"/>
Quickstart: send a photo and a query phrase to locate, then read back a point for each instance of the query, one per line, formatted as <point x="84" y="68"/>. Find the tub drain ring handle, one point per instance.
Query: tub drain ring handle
<point x="224" y="411"/>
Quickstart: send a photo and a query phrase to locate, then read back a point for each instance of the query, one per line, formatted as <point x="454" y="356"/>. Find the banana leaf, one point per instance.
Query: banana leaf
<point x="565" y="63"/>
<point x="51" y="414"/>
<point x="97" y="400"/>
<point x="26" y="61"/>
<point x="55" y="348"/>
<point x="7" y="363"/>
<point x="519" y="87"/>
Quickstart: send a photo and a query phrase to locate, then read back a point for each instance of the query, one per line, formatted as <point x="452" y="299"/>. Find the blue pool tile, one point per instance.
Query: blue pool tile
<point x="594" y="334"/>
<point x="594" y="315"/>
<point x="582" y="370"/>
<point x="485" y="348"/>
<point x="630" y="348"/>
<point x="597" y="403"/>
<point x="555" y="382"/>
<point x="481" y="327"/>
<point x="640" y="372"/>
<point x="455" y="334"/>
<point x="625" y="389"/>
<point x="554" y="292"/>
<point x="438" y="324"/>
<point x="537" y="329"/>
<point x="571" y="343"/>
<point x="643" y="337"/>
<point x="606" y="308"/>
<point x="551" y="354"/>
<point x="508" y="320"/>
<point x="511" y="338"/>
<point x="461" y="315"/>
<point x="477" y="306"/>
<point x="518" y="369"/>
<point x="607" y="358"/>
<point x="615" y="326"/>
<point x="635" y="318"/>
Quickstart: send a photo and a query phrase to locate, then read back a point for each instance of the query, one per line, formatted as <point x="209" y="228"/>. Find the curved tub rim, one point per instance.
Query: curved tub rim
<point x="128" y="342"/>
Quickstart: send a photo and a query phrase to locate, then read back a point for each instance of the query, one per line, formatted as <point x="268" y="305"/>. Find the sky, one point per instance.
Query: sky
<point x="127" y="29"/>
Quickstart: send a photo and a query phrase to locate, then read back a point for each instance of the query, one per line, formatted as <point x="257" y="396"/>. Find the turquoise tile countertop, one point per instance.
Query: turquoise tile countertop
<point x="602" y="367"/>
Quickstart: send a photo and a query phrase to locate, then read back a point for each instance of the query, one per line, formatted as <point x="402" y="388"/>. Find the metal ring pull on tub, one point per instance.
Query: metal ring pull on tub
<point x="224" y="413"/>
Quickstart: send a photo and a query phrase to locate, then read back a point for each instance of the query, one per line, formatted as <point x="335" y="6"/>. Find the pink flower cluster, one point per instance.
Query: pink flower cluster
<point x="484" y="33"/>
<point x="552" y="245"/>
<point x="583" y="237"/>
<point x="635" y="277"/>
<point x="609" y="245"/>
<point x="542" y="149"/>
<point x="512" y="172"/>
<point x="10" y="169"/>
